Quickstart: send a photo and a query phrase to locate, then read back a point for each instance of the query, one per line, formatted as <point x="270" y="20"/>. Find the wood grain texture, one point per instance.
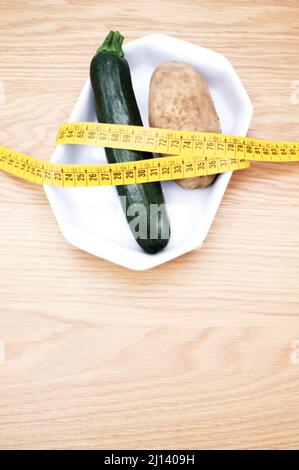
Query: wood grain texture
<point x="93" y="359"/>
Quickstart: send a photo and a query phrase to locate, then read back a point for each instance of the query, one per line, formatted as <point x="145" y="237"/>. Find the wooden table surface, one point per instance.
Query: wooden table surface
<point x="94" y="359"/>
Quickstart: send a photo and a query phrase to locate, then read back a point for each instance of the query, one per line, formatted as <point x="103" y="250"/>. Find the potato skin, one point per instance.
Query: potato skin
<point x="180" y="99"/>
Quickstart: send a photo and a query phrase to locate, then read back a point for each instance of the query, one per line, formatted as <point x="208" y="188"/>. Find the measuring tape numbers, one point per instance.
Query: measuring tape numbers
<point x="189" y="154"/>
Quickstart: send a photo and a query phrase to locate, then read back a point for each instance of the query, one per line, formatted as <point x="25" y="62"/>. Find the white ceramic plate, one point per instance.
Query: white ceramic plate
<point x="92" y="218"/>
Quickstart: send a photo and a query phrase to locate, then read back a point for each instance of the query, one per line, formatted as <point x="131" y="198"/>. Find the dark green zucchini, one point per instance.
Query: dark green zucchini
<point x="116" y="103"/>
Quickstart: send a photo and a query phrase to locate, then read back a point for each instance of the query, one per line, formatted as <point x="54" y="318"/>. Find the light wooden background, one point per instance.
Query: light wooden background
<point x="93" y="358"/>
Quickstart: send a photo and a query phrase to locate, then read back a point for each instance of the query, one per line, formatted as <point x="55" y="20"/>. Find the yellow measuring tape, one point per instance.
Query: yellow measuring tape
<point x="190" y="154"/>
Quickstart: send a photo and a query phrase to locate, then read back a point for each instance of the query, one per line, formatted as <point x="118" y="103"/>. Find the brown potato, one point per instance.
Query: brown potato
<point x="180" y="99"/>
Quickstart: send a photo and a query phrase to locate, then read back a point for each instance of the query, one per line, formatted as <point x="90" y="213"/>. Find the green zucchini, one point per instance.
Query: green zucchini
<point x="115" y="103"/>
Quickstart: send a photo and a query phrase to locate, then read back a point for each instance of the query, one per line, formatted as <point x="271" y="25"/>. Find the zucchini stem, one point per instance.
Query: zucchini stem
<point x="113" y="43"/>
